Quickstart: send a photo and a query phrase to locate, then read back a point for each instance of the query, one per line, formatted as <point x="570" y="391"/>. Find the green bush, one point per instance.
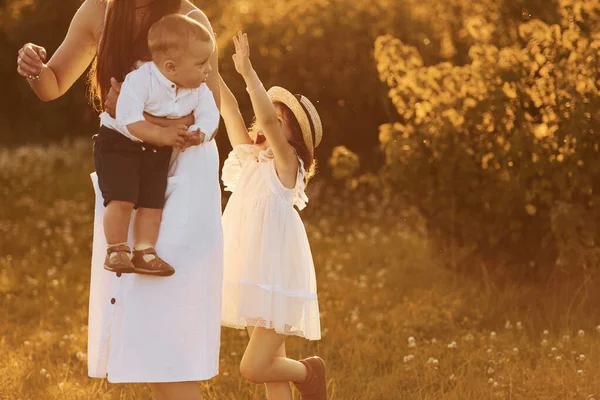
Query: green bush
<point x="496" y="152"/>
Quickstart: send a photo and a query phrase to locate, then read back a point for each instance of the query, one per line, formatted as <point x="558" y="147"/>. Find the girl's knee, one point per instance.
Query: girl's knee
<point x="251" y="372"/>
<point x="278" y="386"/>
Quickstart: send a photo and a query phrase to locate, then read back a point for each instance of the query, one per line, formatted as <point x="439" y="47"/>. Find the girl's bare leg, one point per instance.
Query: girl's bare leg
<point x="277" y="390"/>
<point x="261" y="362"/>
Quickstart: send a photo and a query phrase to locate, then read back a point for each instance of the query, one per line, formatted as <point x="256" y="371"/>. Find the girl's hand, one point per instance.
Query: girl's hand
<point x="241" y="58"/>
<point x="30" y="61"/>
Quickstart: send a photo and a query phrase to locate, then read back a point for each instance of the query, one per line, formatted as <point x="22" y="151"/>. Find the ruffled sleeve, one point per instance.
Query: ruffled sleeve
<point x="238" y="158"/>
<point x="300" y="198"/>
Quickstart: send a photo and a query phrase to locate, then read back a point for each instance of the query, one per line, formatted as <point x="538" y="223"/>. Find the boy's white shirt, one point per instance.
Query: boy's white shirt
<point x="146" y="89"/>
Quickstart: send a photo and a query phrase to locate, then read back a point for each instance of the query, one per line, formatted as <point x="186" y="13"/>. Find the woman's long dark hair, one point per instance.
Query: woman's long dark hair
<point x="121" y="46"/>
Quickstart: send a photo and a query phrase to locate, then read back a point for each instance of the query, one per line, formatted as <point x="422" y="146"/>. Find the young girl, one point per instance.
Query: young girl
<point x="269" y="279"/>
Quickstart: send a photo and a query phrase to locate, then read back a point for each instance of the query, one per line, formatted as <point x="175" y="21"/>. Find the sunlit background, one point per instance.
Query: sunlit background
<point x="454" y="220"/>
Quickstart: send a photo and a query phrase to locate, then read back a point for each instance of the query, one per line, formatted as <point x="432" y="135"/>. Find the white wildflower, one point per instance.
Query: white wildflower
<point x="411" y="342"/>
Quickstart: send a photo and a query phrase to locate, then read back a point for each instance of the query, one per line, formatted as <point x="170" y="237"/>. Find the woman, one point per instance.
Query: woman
<point x="163" y="331"/>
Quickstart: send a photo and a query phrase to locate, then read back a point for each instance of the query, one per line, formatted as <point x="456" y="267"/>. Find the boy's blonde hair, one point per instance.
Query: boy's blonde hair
<point x="171" y="35"/>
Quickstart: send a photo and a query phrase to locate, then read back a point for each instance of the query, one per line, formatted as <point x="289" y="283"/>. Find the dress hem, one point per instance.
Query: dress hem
<point x="156" y="380"/>
<point x="297" y="334"/>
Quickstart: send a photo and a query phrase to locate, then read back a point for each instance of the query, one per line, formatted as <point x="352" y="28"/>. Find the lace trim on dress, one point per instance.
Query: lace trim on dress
<point x="261" y="323"/>
<point x="300" y="197"/>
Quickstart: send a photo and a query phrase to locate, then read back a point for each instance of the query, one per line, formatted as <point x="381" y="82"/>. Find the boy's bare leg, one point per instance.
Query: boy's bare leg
<point x="145" y="234"/>
<point x="116" y="229"/>
<point x="145" y="228"/>
<point x="116" y="221"/>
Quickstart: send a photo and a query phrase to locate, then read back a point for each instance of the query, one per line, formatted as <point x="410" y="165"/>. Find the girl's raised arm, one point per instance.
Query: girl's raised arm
<point x="266" y="116"/>
<point x="234" y="123"/>
<point x="70" y="60"/>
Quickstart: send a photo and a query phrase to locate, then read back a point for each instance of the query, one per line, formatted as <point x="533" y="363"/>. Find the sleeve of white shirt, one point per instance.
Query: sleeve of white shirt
<point x="134" y="94"/>
<point x="206" y="114"/>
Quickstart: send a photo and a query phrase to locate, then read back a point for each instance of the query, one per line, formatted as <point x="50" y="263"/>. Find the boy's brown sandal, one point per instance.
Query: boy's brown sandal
<point x="156" y="266"/>
<point x="119" y="263"/>
<point x="315" y="386"/>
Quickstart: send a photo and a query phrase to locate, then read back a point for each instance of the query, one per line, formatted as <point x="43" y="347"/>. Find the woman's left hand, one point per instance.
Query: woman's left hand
<point x="30" y="61"/>
<point x="110" y="104"/>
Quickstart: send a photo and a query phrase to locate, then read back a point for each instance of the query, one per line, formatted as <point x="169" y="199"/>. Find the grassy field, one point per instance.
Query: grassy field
<point x="395" y="325"/>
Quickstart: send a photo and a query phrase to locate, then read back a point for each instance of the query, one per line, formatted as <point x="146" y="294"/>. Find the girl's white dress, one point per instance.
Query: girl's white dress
<point x="269" y="276"/>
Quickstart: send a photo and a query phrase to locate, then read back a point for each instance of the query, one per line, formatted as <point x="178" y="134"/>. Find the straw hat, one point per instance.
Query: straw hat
<point x="304" y="111"/>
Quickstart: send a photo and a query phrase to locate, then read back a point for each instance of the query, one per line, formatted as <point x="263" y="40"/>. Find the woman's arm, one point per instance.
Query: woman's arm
<point x="286" y="160"/>
<point x="188" y="120"/>
<point x="234" y="123"/>
<point x="70" y="60"/>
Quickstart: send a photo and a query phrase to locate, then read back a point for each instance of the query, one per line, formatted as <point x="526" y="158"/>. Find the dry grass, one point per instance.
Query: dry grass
<point x="395" y="325"/>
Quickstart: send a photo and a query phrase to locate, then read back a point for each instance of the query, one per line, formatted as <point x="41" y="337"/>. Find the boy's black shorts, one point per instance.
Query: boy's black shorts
<point x="130" y="171"/>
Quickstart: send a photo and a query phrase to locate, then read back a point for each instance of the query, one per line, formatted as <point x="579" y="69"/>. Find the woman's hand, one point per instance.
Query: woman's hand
<point x="241" y="58"/>
<point x="110" y="104"/>
<point x="30" y="61"/>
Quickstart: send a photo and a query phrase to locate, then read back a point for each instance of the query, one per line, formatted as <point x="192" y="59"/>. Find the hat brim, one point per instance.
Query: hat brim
<point x="281" y="95"/>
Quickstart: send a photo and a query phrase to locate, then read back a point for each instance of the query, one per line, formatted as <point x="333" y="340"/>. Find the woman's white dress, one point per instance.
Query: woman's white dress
<point x="156" y="329"/>
<point x="269" y="276"/>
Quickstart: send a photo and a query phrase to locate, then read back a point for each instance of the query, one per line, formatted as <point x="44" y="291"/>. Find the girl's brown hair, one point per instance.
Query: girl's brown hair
<point x="122" y="45"/>
<point x="298" y="143"/>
